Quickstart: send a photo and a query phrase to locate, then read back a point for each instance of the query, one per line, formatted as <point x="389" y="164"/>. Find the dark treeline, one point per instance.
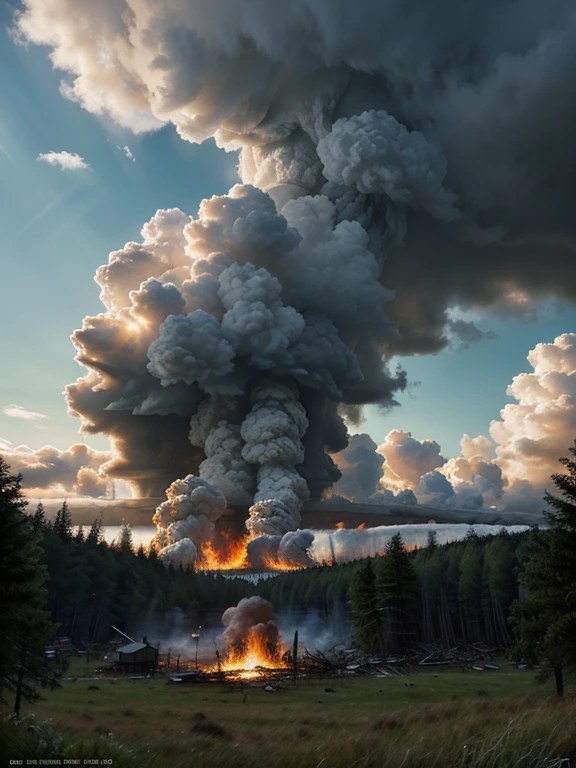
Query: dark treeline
<point x="456" y="593"/>
<point x="92" y="585"/>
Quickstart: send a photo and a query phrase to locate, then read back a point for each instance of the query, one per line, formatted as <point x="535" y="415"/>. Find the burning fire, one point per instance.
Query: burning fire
<point x="277" y="564"/>
<point x="223" y="553"/>
<point x="253" y="642"/>
<point x="255" y="652"/>
<point x="226" y="553"/>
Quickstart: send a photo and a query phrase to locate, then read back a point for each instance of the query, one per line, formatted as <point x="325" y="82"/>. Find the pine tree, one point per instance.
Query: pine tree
<point x="470" y="589"/>
<point x="397" y="595"/>
<point x="545" y="621"/>
<point x="125" y="545"/>
<point x="39" y="518"/>
<point x="364" y="608"/>
<point x="499" y="567"/>
<point x="432" y="542"/>
<point x="96" y="532"/>
<point x="26" y="629"/>
<point x="63" y="523"/>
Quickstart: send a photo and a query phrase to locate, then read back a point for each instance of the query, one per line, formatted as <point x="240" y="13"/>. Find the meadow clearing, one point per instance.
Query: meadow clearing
<point x="433" y="718"/>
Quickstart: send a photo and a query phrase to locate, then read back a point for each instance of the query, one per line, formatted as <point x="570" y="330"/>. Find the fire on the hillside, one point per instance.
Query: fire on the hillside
<point x="226" y="553"/>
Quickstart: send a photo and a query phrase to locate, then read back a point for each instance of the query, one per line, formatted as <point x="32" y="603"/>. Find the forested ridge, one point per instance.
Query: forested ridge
<point x="455" y="593"/>
<point x="93" y="585"/>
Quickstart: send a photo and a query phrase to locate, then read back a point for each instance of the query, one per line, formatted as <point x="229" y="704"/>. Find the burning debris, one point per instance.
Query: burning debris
<point x="251" y="637"/>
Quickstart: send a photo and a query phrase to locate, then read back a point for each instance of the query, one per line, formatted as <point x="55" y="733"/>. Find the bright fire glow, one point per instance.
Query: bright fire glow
<point x="256" y="653"/>
<point x="223" y="554"/>
<point x="277" y="564"/>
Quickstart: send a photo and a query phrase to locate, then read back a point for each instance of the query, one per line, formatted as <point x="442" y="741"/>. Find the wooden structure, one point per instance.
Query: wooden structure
<point x="135" y="657"/>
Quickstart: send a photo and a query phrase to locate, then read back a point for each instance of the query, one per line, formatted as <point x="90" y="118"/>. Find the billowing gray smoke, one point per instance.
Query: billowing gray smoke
<point x="460" y="115"/>
<point x="192" y="508"/>
<point x="181" y="554"/>
<point x="447" y="128"/>
<point x="361" y="469"/>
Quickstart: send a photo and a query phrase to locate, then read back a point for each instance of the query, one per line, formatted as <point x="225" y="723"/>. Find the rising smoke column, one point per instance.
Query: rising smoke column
<point x="236" y="337"/>
<point x="272" y="432"/>
<point x="192" y="508"/>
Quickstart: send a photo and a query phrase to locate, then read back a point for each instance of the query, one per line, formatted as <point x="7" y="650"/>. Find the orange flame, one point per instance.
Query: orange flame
<point x="278" y="564"/>
<point x="254" y="655"/>
<point x="223" y="553"/>
<point x="256" y="651"/>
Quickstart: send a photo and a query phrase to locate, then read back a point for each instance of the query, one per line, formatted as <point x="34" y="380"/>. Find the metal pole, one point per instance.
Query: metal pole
<point x="122" y="633"/>
<point x="196" y="637"/>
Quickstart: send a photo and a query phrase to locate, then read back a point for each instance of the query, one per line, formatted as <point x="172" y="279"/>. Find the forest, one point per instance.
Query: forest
<point x="457" y="593"/>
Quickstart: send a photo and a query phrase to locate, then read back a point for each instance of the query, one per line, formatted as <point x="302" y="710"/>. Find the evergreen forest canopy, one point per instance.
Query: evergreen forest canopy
<point x="455" y="593"/>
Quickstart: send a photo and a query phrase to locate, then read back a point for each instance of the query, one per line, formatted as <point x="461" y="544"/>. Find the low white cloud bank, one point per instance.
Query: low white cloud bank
<point x="52" y="473"/>
<point x="345" y="544"/>
<point x="510" y="470"/>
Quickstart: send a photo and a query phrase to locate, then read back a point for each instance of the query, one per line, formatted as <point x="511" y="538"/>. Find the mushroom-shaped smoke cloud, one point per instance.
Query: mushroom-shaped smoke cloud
<point x="392" y="120"/>
<point x="358" y="124"/>
<point x="223" y="325"/>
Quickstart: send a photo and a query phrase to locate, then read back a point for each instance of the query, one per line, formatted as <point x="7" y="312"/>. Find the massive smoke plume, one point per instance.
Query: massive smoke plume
<point x="230" y="339"/>
<point x="460" y="114"/>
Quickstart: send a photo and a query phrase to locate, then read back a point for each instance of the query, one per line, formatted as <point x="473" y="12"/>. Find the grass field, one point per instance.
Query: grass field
<point x="443" y="718"/>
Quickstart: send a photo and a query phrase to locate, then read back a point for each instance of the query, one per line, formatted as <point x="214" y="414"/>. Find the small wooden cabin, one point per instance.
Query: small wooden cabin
<point x="135" y="657"/>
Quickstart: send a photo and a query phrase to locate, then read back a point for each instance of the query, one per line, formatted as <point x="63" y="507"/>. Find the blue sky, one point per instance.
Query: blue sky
<point x="58" y="227"/>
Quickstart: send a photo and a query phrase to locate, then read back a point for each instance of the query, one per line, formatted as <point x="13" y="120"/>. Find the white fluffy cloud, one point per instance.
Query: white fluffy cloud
<point x="532" y="434"/>
<point x="407" y="459"/>
<point x="19" y="412"/>
<point x="66" y="161"/>
<point x="513" y="469"/>
<point x="52" y="472"/>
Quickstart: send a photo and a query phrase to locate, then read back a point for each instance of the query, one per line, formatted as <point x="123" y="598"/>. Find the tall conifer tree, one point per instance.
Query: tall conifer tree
<point x="26" y="630"/>
<point x="545" y="621"/>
